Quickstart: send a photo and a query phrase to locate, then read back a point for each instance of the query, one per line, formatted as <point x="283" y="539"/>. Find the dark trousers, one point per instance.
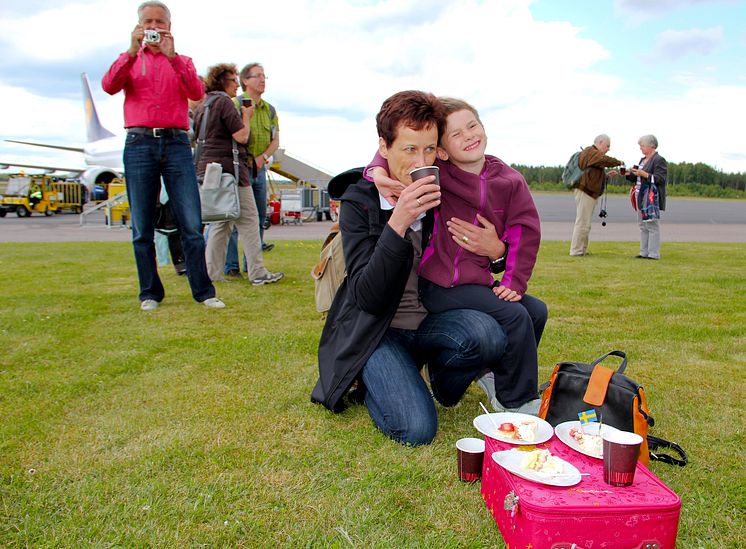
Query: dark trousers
<point x="517" y="372"/>
<point x="147" y="159"/>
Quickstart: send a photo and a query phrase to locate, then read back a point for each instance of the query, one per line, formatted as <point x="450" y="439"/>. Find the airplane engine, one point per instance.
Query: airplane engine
<point x="98" y="176"/>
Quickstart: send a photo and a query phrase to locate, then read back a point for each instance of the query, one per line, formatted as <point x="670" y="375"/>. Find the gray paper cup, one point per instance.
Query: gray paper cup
<point x="424" y="171"/>
<point x="470" y="452"/>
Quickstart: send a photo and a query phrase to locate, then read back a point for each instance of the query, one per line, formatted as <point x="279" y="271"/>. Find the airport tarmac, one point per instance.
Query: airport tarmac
<point x="704" y="221"/>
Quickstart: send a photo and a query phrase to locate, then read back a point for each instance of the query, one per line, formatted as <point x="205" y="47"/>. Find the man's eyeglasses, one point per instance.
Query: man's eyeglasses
<point x="260" y="76"/>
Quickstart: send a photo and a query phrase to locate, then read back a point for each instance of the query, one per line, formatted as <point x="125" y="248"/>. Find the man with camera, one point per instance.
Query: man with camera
<point x="157" y="84"/>
<point x="592" y="161"/>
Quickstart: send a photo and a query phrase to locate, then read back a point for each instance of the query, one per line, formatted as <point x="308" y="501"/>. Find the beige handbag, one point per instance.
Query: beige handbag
<point x="329" y="272"/>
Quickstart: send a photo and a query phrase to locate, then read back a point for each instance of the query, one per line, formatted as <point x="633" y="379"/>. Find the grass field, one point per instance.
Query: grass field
<point x="187" y="427"/>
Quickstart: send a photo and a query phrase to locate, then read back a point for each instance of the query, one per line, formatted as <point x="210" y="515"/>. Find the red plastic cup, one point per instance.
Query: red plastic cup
<point x="424" y="171"/>
<point x="470" y="452"/>
<point x="621" y="450"/>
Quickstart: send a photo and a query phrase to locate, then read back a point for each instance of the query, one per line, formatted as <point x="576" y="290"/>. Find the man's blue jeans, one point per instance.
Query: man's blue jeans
<point x="457" y="345"/>
<point x="259" y="187"/>
<point x="147" y="159"/>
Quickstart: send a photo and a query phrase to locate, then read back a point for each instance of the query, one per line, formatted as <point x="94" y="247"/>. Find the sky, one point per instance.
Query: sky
<point x="547" y="76"/>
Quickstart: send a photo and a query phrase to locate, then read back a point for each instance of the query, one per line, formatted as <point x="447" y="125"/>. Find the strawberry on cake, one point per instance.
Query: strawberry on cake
<point x="525" y="430"/>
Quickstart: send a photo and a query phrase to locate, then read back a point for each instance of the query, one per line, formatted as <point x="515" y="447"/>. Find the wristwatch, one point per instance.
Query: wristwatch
<point x="266" y="158"/>
<point x="498" y="265"/>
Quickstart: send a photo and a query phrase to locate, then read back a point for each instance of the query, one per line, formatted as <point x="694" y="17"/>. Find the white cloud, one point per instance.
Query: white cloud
<point x="673" y="45"/>
<point x="646" y="8"/>
<point x="331" y="65"/>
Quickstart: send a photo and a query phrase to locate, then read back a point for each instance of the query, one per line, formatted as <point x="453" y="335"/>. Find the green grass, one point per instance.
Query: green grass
<point x="191" y="427"/>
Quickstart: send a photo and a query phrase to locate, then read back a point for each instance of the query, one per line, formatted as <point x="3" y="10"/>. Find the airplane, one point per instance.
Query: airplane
<point x="102" y="153"/>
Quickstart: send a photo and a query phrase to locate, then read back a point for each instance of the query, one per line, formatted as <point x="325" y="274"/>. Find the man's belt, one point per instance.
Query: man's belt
<point x="156" y="132"/>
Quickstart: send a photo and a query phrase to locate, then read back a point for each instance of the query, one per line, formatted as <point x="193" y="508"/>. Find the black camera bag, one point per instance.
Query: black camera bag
<point x="619" y="401"/>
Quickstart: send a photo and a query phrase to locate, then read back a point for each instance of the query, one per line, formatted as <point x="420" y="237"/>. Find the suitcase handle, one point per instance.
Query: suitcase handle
<point x="620" y="354"/>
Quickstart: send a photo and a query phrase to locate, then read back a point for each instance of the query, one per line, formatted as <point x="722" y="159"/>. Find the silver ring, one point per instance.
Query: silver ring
<point x="418" y="202"/>
<point x="465" y="239"/>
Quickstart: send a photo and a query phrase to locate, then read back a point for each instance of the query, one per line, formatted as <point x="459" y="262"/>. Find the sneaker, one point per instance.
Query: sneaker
<point x="486" y="382"/>
<point x="235" y="273"/>
<point x="267" y="247"/>
<point x="268" y="278"/>
<point x="531" y="407"/>
<point x="148" y="304"/>
<point x="213" y="303"/>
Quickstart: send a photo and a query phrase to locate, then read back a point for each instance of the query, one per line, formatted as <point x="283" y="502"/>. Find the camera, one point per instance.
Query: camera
<point x="602" y="214"/>
<point x="247" y="102"/>
<point x="151" y="36"/>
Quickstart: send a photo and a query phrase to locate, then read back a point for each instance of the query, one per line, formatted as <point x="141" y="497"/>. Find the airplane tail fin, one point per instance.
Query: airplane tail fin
<point x="93" y="125"/>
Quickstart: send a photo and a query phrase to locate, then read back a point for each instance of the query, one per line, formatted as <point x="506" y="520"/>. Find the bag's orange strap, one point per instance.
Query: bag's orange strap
<point x="547" y="394"/>
<point x="598" y="384"/>
<point x="318" y="270"/>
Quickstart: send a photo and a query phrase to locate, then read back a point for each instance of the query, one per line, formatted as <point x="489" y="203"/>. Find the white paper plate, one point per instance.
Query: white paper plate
<point x="511" y="460"/>
<point x="563" y="433"/>
<point x="483" y="424"/>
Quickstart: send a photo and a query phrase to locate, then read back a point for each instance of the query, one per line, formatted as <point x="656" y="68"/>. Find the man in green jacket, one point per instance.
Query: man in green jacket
<point x="592" y="160"/>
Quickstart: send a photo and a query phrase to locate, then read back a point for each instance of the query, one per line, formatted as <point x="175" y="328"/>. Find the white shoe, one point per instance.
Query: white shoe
<point x="486" y="382"/>
<point x="531" y="407"/>
<point x="148" y="304"/>
<point x="213" y="303"/>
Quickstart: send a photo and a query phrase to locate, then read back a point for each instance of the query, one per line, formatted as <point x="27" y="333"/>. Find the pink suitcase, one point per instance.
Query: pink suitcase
<point x="589" y="515"/>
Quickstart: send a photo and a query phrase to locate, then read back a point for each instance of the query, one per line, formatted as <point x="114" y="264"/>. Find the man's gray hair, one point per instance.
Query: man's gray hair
<point x="246" y="71"/>
<point x="603" y="138"/>
<point x="153" y="4"/>
<point x="649" y="140"/>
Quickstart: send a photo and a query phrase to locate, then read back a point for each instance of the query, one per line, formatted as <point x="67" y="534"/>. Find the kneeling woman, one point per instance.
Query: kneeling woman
<point x="224" y="125"/>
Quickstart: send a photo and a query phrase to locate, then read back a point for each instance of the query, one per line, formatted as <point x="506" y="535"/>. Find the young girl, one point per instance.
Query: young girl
<point x="482" y="196"/>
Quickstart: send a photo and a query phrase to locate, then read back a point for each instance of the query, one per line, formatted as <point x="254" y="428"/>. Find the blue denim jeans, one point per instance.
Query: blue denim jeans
<point x="231" y="256"/>
<point x="147" y="159"/>
<point x="456" y="345"/>
<point x="259" y="187"/>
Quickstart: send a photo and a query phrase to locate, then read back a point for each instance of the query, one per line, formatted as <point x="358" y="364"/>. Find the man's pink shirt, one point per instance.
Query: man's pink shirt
<point x="155" y="96"/>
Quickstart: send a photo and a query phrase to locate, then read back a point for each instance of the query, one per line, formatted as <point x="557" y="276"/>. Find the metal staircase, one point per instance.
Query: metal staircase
<point x="107" y="206"/>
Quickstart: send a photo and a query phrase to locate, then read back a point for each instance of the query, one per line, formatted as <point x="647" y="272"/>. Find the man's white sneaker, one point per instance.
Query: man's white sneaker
<point x="268" y="278"/>
<point x="148" y="304"/>
<point x="213" y="303"/>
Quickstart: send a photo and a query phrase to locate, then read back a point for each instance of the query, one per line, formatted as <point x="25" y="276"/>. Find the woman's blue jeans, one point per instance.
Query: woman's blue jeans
<point x="147" y="159"/>
<point x="455" y="344"/>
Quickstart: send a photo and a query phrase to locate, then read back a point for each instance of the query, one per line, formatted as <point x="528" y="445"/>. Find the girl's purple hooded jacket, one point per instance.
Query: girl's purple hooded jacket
<point x="501" y="195"/>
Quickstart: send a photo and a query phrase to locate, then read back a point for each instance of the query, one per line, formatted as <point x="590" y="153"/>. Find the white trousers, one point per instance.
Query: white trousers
<point x="248" y="236"/>
<point x="650" y="237"/>
<point x="584" y="206"/>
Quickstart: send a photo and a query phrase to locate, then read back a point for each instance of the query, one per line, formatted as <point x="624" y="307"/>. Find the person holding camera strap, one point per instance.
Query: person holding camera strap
<point x="157" y="82"/>
<point x="592" y="183"/>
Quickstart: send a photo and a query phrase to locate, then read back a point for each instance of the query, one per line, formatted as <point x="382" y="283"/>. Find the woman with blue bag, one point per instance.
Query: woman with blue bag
<point x="649" y="178"/>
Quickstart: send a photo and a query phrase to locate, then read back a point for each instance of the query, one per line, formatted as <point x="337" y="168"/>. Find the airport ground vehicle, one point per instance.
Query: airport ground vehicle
<point x="56" y="196"/>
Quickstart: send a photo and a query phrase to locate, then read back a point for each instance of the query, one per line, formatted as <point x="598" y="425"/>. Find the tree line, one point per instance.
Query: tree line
<point x="679" y="173"/>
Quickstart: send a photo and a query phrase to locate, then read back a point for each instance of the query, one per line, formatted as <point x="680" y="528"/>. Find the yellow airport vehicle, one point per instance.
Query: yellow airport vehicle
<point x="27" y="194"/>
